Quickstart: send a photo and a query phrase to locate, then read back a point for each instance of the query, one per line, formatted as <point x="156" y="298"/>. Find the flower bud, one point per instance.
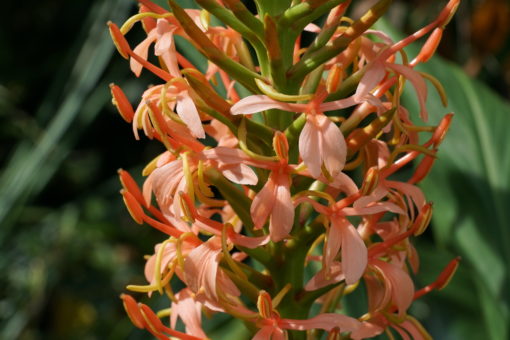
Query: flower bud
<point x="134" y="208"/>
<point x="423" y="219"/>
<point x="281" y="146"/>
<point x="122" y="104"/>
<point x="119" y="41"/>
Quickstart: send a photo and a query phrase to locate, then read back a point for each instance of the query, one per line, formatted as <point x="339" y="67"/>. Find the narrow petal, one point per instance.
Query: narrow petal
<point x="142" y="50"/>
<point x="258" y="103"/>
<point x="262" y="204"/>
<point x="240" y="174"/>
<point x="354" y="254"/>
<point x="418" y="83"/>
<point x="373" y="75"/>
<point x="188" y="112"/>
<point x="264" y="333"/>
<point x="325" y="277"/>
<point x="334" y="149"/>
<point x="399" y="283"/>
<point x="282" y="214"/>
<point x="189" y="311"/>
<point x="343" y="182"/>
<point x="309" y="148"/>
<point x="326" y="321"/>
<point x="334" y="241"/>
<point x="201" y="268"/>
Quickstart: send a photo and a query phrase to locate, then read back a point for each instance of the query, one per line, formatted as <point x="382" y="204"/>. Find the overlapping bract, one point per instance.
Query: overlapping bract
<point x="298" y="175"/>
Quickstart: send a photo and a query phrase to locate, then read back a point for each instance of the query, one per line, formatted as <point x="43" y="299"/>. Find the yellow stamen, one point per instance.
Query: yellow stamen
<point x="164" y="313"/>
<point x="410" y="147"/>
<point x="438" y="86"/>
<point x="226" y="253"/>
<point x="315" y="193"/>
<point x="186" y="168"/>
<point x="178" y="250"/>
<point x="137" y="17"/>
<point x="205" y="19"/>
<point x="202" y="186"/>
<point x="351" y="288"/>
<point x="314" y="246"/>
<point x="157" y="271"/>
<point x="241" y="136"/>
<point x="279" y="297"/>
<point x="269" y="91"/>
<point x="164" y="102"/>
<point x="149" y="168"/>
<point x="355" y="163"/>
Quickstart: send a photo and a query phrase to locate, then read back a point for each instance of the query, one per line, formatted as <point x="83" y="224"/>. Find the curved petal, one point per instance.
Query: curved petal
<point x="263" y="204"/>
<point x="399" y="283"/>
<point x="325" y="277"/>
<point x="258" y="103"/>
<point x="418" y="83"/>
<point x="264" y="333"/>
<point x="189" y="311"/>
<point x="354" y="254"/>
<point x="282" y="214"/>
<point x="334" y="149"/>
<point x="309" y="148"/>
<point x="326" y="321"/>
<point x="142" y="49"/>
<point x="188" y="112"/>
<point x="201" y="268"/>
<point x="373" y="75"/>
<point x="240" y="174"/>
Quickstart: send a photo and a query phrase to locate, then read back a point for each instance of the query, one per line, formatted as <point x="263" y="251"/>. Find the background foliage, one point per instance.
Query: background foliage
<point x="68" y="247"/>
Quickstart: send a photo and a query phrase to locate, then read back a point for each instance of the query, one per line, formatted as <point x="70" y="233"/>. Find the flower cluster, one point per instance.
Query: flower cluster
<point x="278" y="192"/>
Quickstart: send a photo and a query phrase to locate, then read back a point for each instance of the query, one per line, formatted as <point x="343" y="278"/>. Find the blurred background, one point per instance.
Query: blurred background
<point x="68" y="246"/>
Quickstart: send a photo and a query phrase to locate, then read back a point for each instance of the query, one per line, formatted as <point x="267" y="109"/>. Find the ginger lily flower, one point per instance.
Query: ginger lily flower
<point x="273" y="327"/>
<point x="274" y="198"/>
<point x="320" y="141"/>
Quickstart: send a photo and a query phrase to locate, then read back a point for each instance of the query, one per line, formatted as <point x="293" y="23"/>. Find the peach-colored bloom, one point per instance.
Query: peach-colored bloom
<point x="189" y="310"/>
<point x="203" y="275"/>
<point x="143" y="317"/>
<point x="320" y="141"/>
<point x="272" y="326"/>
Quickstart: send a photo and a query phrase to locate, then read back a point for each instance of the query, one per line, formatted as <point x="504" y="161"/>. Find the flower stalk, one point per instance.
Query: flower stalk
<point x="274" y="205"/>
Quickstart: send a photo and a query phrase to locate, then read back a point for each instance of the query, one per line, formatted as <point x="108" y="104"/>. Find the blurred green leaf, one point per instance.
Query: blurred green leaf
<point x="31" y="166"/>
<point x="470" y="184"/>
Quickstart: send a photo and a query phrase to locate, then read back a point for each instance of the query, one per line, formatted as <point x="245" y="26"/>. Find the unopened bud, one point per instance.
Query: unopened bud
<point x="129" y="184"/>
<point x="447" y="274"/>
<point x="442" y="129"/>
<point x="134" y="208"/>
<point x="423" y="219"/>
<point x="122" y="104"/>
<point x="265" y="305"/>
<point x="133" y="311"/>
<point x="450" y="10"/>
<point x="361" y="136"/>
<point x="334" y="334"/>
<point x="430" y="46"/>
<point x="119" y="41"/>
<point x="281" y="146"/>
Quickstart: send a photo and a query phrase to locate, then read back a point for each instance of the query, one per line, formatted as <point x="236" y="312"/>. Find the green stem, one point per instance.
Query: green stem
<point x="237" y="71"/>
<point x="272" y="7"/>
<point x="322" y="55"/>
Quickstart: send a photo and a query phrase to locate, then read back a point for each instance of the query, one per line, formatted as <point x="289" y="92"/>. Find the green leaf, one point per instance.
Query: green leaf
<point x="470" y="183"/>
